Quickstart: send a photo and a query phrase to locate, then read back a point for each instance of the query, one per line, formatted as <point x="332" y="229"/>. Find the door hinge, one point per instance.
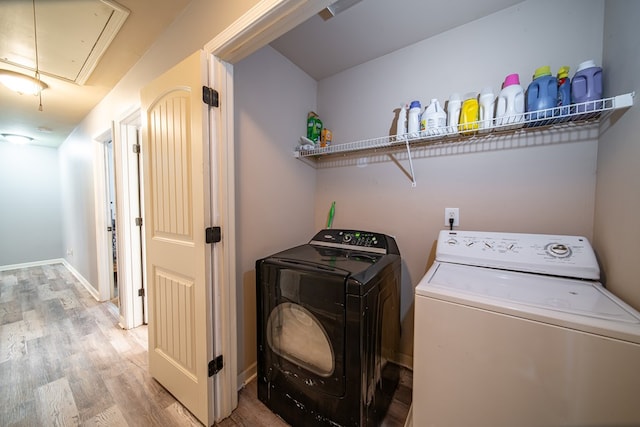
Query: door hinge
<point x="136" y="148"/>
<point x="141" y="292"/>
<point x="209" y="96"/>
<point x="213" y="234"/>
<point x="139" y="222"/>
<point x="215" y="366"/>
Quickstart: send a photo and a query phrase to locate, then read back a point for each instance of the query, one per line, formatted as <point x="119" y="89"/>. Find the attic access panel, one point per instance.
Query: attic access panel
<point x="88" y="27"/>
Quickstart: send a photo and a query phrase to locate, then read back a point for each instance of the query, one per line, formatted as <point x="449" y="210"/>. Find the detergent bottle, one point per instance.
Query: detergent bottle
<point x="586" y="86"/>
<point x="314" y="127"/>
<point x="542" y="96"/>
<point x="510" y="104"/>
<point x="434" y="119"/>
<point x="413" y="127"/>
<point x="469" y="114"/>
<point x="564" y="91"/>
<point x="486" y="106"/>
<point x="453" y="110"/>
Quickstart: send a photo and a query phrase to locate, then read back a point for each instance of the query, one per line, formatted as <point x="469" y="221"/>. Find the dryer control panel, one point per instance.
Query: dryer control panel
<point x="559" y="255"/>
<point x="365" y="241"/>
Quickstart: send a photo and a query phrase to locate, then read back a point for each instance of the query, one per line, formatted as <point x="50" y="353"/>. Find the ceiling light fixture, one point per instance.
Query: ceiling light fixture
<point x="17" y="139"/>
<point x="22" y="83"/>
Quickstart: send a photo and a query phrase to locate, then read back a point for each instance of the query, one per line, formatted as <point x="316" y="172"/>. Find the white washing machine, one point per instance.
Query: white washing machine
<point x="515" y="330"/>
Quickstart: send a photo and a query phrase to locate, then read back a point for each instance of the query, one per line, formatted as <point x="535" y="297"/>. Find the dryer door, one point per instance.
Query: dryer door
<point x="301" y="335"/>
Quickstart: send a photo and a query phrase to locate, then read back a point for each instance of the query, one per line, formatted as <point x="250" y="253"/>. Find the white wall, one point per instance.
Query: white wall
<point x="617" y="215"/>
<point x="78" y="210"/>
<point x="274" y="193"/>
<point x="198" y="23"/>
<point x="542" y="187"/>
<point x="30" y="215"/>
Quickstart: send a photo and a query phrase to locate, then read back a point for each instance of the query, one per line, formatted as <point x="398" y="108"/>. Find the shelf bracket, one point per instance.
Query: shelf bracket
<point x="413" y="175"/>
<point x="410" y="173"/>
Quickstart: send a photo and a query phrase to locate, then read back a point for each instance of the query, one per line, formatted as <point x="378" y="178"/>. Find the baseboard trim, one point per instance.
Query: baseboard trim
<point x="65" y="263"/>
<point x="247" y="375"/>
<point x="404" y="360"/>
<point x="93" y="291"/>
<point x="31" y="264"/>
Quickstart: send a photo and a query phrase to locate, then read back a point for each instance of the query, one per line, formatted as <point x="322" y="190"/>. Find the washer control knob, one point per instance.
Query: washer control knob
<point x="559" y="249"/>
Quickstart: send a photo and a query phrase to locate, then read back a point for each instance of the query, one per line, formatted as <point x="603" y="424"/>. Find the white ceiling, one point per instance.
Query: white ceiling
<point x="373" y="28"/>
<point x="84" y="48"/>
<point x="69" y="34"/>
<point x="69" y="55"/>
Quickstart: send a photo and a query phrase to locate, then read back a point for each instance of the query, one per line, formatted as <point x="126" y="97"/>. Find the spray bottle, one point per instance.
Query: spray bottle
<point x="401" y="126"/>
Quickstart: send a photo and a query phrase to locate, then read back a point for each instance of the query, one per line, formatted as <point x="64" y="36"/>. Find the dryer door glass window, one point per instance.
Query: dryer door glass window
<point x="296" y="335"/>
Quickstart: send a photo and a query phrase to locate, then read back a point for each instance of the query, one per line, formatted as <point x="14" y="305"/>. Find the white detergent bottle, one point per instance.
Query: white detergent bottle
<point x="510" y="104"/>
<point x="455" y="104"/>
<point x="434" y="119"/>
<point x="413" y="127"/>
<point x="486" y="106"/>
<point x="401" y="126"/>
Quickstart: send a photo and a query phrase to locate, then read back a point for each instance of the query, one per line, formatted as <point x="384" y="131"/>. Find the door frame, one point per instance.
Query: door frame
<point x="131" y="251"/>
<point x="130" y="312"/>
<point x="260" y="25"/>
<point x="101" y="194"/>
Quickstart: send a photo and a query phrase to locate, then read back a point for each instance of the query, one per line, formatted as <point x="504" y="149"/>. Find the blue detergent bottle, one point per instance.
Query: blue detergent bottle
<point x="542" y="94"/>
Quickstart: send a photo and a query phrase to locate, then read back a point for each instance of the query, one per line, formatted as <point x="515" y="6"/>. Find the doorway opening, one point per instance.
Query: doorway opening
<point x="114" y="294"/>
<point x="120" y="249"/>
<point x="130" y="214"/>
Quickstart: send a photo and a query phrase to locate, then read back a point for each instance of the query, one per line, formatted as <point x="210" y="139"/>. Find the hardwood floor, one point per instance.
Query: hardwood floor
<point x="65" y="362"/>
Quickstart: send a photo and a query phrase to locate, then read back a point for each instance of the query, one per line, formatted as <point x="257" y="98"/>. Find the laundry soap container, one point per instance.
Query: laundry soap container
<point x="433" y="120"/>
<point x="469" y="114"/>
<point x="413" y="126"/>
<point x="453" y="113"/>
<point x="586" y="86"/>
<point x="510" y="104"/>
<point x="564" y="92"/>
<point x="314" y="127"/>
<point x="542" y="96"/>
<point x="486" y="106"/>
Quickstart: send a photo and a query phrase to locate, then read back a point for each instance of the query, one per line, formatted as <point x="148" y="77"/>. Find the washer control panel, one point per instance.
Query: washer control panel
<point x="356" y="240"/>
<point x="570" y="256"/>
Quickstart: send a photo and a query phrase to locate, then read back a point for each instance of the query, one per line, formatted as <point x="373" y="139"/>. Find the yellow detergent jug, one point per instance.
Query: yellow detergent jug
<point x="469" y="114"/>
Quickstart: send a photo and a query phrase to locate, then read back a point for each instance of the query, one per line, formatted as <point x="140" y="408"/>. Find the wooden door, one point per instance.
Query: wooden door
<point x="177" y="211"/>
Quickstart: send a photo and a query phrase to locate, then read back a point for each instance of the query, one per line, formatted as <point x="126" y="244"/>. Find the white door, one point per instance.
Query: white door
<point x="177" y="211"/>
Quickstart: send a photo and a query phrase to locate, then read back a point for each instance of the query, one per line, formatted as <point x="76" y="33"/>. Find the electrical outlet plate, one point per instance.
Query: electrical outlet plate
<point x="452" y="213"/>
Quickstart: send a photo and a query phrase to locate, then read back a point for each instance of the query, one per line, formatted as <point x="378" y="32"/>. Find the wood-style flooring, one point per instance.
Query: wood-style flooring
<point x="65" y="362"/>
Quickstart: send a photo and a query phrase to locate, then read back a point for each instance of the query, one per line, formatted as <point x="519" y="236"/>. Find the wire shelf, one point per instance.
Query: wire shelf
<point x="557" y="118"/>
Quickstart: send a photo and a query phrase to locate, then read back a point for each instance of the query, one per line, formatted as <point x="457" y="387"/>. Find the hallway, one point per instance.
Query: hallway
<point x="65" y="361"/>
